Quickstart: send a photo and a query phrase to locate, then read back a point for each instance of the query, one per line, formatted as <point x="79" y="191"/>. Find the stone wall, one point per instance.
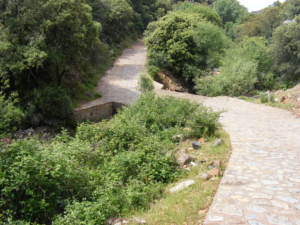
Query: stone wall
<point x="97" y="113"/>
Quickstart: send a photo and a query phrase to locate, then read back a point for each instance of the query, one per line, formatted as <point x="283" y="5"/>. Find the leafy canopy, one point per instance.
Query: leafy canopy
<point x="229" y="10"/>
<point x="186" y="41"/>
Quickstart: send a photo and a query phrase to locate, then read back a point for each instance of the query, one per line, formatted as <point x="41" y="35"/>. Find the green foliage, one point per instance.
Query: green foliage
<point x="107" y="169"/>
<point x="206" y="12"/>
<point x="238" y="77"/>
<point x="46" y="42"/>
<point x="266" y="97"/>
<point x="51" y="102"/>
<point x="65" y="44"/>
<point x="285" y="50"/>
<point x="153" y="72"/>
<point x="292" y="9"/>
<point x="262" y="24"/>
<point x="10" y="114"/>
<point x="185" y="41"/>
<point x="145" y="83"/>
<point x="229" y="10"/>
<point x="244" y="68"/>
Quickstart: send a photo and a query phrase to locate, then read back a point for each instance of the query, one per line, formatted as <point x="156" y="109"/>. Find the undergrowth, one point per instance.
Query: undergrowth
<point x="189" y="206"/>
<point x="107" y="169"/>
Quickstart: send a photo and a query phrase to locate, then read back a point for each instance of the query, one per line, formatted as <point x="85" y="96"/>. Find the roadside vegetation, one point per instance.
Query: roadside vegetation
<point x="107" y="169"/>
<point x="190" y="205"/>
<point x="253" y="52"/>
<point x="52" y="53"/>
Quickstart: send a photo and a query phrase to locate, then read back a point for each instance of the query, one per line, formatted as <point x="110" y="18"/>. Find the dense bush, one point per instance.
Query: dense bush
<point x="51" y="102"/>
<point x="145" y="83"/>
<point x="186" y="41"/>
<point x="66" y="44"/>
<point x="10" y="114"/>
<point x="229" y="10"/>
<point x="107" y="169"/>
<point x="245" y="68"/>
<point x="285" y="50"/>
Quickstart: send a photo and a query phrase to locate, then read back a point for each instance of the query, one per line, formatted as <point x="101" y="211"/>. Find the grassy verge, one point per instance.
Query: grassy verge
<point x="282" y="105"/>
<point x="189" y="206"/>
<point x="108" y="169"/>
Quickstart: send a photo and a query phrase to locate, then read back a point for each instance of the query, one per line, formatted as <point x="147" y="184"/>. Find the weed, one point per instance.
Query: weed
<point x="190" y="205"/>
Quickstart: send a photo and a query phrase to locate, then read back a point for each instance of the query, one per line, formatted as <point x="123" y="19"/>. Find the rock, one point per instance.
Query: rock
<point x="190" y="149"/>
<point x="90" y="94"/>
<point x="194" y="164"/>
<point x="217" y="163"/>
<point x="177" y="137"/>
<point x="202" y="140"/>
<point x="186" y="167"/>
<point x="179" y="89"/>
<point x="205" y="176"/>
<point x="24" y="133"/>
<point x="228" y="209"/>
<point x="282" y="99"/>
<point x="213" y="218"/>
<point x="182" y="185"/>
<point x="139" y="220"/>
<point x="218" y="142"/>
<point x="118" y="46"/>
<point x="183" y="159"/>
<point x="288" y="199"/>
<point x="280" y="205"/>
<point x="276" y="219"/>
<point x="210" y="167"/>
<point x="255" y="208"/>
<point x="213" y="172"/>
<point x="259" y="195"/>
<point x="196" y="144"/>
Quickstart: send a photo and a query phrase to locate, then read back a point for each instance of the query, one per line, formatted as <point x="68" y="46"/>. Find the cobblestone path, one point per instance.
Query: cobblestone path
<point x="261" y="184"/>
<point x="120" y="82"/>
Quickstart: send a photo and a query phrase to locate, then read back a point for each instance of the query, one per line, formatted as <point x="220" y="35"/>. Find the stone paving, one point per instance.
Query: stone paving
<point x="120" y="82"/>
<point x="261" y="184"/>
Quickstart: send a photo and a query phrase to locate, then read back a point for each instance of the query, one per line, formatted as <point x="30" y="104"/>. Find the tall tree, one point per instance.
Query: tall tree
<point x="229" y="10"/>
<point x="42" y="40"/>
<point x="285" y="50"/>
<point x="292" y="9"/>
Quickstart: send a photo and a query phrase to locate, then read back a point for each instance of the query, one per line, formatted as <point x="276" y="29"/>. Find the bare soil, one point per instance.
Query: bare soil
<point x="289" y="99"/>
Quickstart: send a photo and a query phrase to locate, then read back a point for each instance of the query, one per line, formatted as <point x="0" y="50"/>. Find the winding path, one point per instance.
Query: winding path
<point x="261" y="184"/>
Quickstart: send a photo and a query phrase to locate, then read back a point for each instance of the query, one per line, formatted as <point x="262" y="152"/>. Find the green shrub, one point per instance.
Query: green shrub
<point x="145" y="83"/>
<point x="266" y="97"/>
<point x="107" y="169"/>
<point x="245" y="67"/>
<point x="10" y="114"/>
<point x="52" y="102"/>
<point x="186" y="41"/>
<point x="238" y="77"/>
<point x="153" y="72"/>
